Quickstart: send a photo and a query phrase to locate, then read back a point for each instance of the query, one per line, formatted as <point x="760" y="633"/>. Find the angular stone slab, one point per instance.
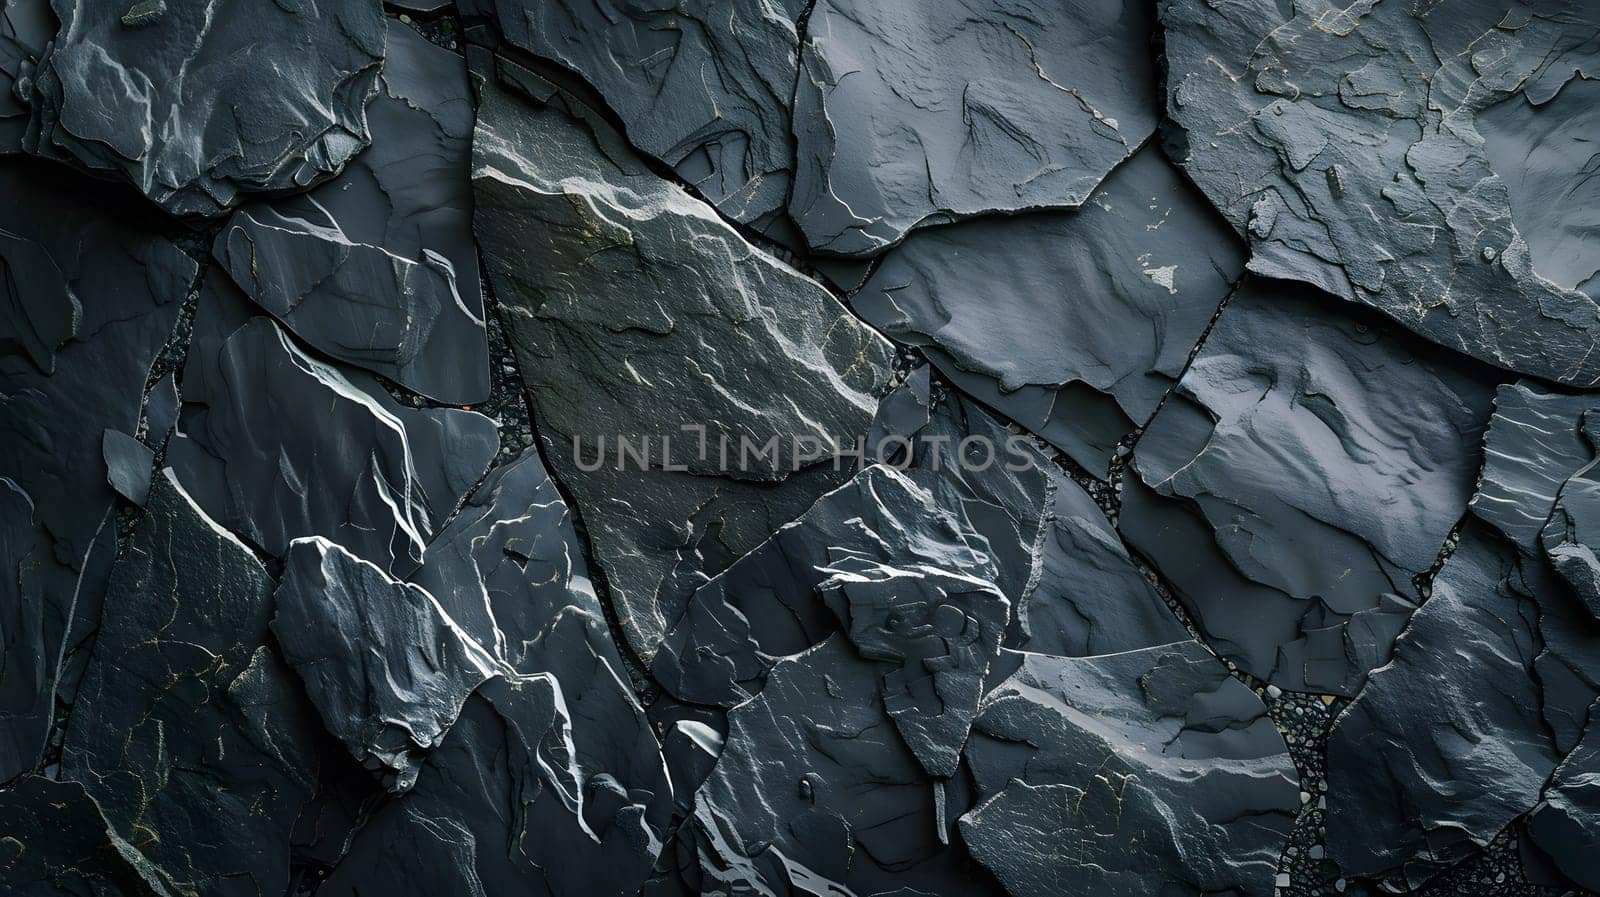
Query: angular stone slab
<point x="1345" y="145"/>
<point x="278" y="445"/>
<point x="636" y="312"/>
<point x="1306" y="469"/>
<point x="1146" y="772"/>
<point x="384" y="664"/>
<point x="153" y="95"/>
<point x="1073" y="324"/>
<point x="187" y="726"/>
<point x="572" y="829"/>
<point x="816" y="792"/>
<point x="377" y="267"/>
<point x="911" y="113"/>
<point x="703" y="86"/>
<point x="90" y="288"/>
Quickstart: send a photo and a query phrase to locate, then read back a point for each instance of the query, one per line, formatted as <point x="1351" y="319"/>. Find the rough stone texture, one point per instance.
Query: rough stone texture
<point x="910" y="113"/>
<point x="197" y="105"/>
<point x="703" y="86"/>
<point x="377" y="267"/>
<point x="890" y="449"/>
<point x="81" y="856"/>
<point x="279" y="445"/>
<point x="677" y="317"/>
<point x="1076" y="759"/>
<point x="1074" y="324"/>
<point x="1344" y="144"/>
<point x="384" y="664"/>
<point x="89" y="290"/>
<point x="1305" y="469"/>
<point x="188" y="726"/>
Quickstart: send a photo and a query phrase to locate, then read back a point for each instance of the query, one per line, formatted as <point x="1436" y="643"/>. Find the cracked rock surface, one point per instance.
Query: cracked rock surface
<point x="799" y="448"/>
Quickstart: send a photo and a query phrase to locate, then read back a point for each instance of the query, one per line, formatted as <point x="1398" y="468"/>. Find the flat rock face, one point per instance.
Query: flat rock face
<point x="909" y="113"/>
<point x="377" y="267"/>
<point x="113" y="94"/>
<point x="1346" y="146"/>
<point x="281" y="445"/>
<point x="90" y="288"/>
<point x="1305" y="469"/>
<point x="1074" y="324"/>
<point x="1157" y="747"/>
<point x="705" y="87"/>
<point x="187" y="722"/>
<point x="721" y="368"/>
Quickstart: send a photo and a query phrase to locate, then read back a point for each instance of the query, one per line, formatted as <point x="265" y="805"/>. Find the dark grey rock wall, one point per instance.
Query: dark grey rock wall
<point x="846" y="448"/>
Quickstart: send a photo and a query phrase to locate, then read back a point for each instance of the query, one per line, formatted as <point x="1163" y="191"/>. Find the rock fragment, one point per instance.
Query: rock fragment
<point x="1307" y="467"/>
<point x="384" y="664"/>
<point x="377" y="267"/>
<point x="909" y="113"/>
<point x="1073" y="324"/>
<point x="278" y="445"/>
<point x="188" y="730"/>
<point x="638" y="316"/>
<point x="159" y="103"/>
<point x="1348" y="146"/>
<point x="1077" y="759"/>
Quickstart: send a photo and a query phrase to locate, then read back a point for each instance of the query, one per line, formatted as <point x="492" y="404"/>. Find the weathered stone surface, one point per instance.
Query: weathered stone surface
<point x="911" y="113"/>
<point x="1079" y="759"/>
<point x="1566" y="824"/>
<point x="278" y="445"/>
<point x="815" y="792"/>
<point x="703" y="86"/>
<point x="1073" y="324"/>
<point x="512" y="802"/>
<point x="188" y="729"/>
<point x="1446" y="744"/>
<point x="127" y="465"/>
<point x="377" y="267"/>
<point x="1091" y="598"/>
<point x="54" y="841"/>
<point x="89" y="291"/>
<point x="196" y="105"/>
<point x="1344" y="144"/>
<point x="637" y="314"/>
<point x="25" y="27"/>
<point x="1307" y="467"/>
<point x="384" y="664"/>
<point x="977" y="526"/>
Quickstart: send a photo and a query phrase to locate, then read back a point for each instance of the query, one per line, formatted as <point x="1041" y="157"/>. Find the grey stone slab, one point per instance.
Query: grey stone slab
<point x="1092" y="598"/>
<point x="1145" y="772"/>
<point x="636" y="313"/>
<point x="90" y="288"/>
<point x="703" y="86"/>
<point x="909" y="113"/>
<point x="376" y="267"/>
<point x="816" y="792"/>
<point x="1305" y="470"/>
<point x="158" y="100"/>
<point x="1074" y="324"/>
<point x="935" y="513"/>
<point x="127" y="463"/>
<point x="1566" y="824"/>
<point x="1446" y="744"/>
<point x="57" y="842"/>
<point x="25" y="27"/>
<point x="278" y="445"/>
<point x="1346" y="145"/>
<point x="385" y="666"/>
<point x="512" y="802"/>
<point x="188" y="730"/>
